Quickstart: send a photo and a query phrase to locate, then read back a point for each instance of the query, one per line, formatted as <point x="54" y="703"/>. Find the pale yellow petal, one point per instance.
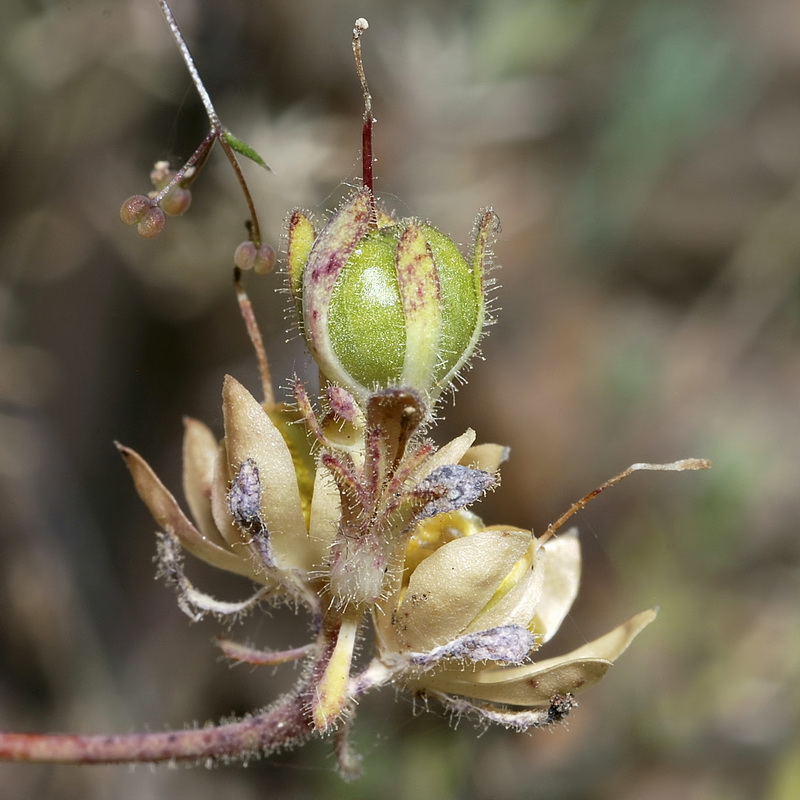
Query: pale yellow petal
<point x="251" y="434"/>
<point x="487" y="457"/>
<point x="451" y="453"/>
<point x="326" y="509"/>
<point x="535" y="684"/>
<point x="168" y="515"/>
<point x="536" y="689"/>
<point x="561" y="558"/>
<point x="199" y="454"/>
<point x="330" y="693"/>
<point x="450" y="587"/>
<point x="517" y="605"/>
<point x="231" y="535"/>
<point x="615" y="642"/>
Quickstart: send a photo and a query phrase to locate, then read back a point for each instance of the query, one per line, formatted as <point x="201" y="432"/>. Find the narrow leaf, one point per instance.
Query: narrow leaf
<point x="245" y="150"/>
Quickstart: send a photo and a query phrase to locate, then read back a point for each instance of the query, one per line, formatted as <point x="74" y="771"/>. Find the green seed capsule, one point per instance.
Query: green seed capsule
<point x="387" y="303"/>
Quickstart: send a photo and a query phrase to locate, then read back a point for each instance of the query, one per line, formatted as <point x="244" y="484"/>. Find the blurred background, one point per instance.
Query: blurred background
<point x="644" y="158"/>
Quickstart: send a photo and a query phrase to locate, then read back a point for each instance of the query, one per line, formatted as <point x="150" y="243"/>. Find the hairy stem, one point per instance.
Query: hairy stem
<point x="213" y="118"/>
<point x="675" y="466"/>
<point x="255" y="228"/>
<point x="282" y="725"/>
<point x="196" y="160"/>
<point x="367" y="158"/>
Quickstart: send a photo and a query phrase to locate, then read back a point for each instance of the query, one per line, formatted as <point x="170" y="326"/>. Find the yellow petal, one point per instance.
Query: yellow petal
<point x="168" y="515"/>
<point x="615" y="642"/>
<point x="535" y="684"/>
<point x="450" y="587"/>
<point x="536" y="689"/>
<point x="519" y="602"/>
<point x="326" y="509"/>
<point x="451" y="453"/>
<point x="488" y="457"/>
<point x="562" y="574"/>
<point x="199" y="454"/>
<point x="231" y="534"/>
<point x="330" y="694"/>
<point x="250" y="433"/>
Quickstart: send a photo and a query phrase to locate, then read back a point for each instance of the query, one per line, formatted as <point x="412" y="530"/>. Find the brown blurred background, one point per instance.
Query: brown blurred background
<point x="644" y="157"/>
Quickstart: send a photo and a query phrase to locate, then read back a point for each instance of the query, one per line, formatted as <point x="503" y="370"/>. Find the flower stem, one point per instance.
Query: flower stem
<point x="218" y="130"/>
<point x="255" y="228"/>
<point x="367" y="159"/>
<point x="213" y="118"/>
<point x="196" y="160"/>
<point x="284" y="724"/>
<point x="255" y="338"/>
<point x="675" y="466"/>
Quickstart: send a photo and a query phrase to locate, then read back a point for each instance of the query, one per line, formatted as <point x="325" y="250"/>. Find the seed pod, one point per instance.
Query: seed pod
<point x="387" y="303"/>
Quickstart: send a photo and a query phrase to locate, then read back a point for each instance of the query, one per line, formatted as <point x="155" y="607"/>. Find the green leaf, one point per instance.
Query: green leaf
<point x="244" y="149"/>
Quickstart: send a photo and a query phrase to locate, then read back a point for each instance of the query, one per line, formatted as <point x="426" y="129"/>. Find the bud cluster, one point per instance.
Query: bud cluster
<point x="169" y="197"/>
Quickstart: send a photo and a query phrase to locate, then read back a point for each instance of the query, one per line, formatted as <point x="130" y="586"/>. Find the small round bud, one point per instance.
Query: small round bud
<point x="161" y="174"/>
<point x="134" y="208"/>
<point x="177" y="201"/>
<point x="152" y="223"/>
<point x="244" y="256"/>
<point x="261" y="259"/>
<point x="266" y="258"/>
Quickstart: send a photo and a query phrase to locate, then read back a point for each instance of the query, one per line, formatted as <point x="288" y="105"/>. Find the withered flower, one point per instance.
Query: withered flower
<point x="354" y="514"/>
<point x="349" y="511"/>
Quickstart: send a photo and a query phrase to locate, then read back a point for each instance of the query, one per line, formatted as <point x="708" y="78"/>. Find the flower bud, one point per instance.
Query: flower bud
<point x="177" y="202"/>
<point x="387" y="303"/>
<point x="261" y="259"/>
<point x="134" y="208"/>
<point x="151" y="223"/>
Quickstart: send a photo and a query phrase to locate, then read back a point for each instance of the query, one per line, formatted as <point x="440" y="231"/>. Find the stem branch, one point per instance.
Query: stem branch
<point x="190" y="65"/>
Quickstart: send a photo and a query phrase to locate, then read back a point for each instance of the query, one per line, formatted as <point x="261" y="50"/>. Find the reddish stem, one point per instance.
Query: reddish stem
<point x="244" y="654"/>
<point x="367" y="159"/>
<point x="366" y="154"/>
<point x="282" y="725"/>
<point x="196" y="160"/>
<point x="256" y="339"/>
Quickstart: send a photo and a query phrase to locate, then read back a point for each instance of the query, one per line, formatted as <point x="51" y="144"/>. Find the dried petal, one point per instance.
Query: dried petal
<point x="167" y="513"/>
<point x="507" y="644"/>
<point x="251" y="434"/>
<point x="452" y="487"/>
<point x="450" y="588"/>
<point x="199" y="456"/>
<point x="535" y="684"/>
<point x="562" y="574"/>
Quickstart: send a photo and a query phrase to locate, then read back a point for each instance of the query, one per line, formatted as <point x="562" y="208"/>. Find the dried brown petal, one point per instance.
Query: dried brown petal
<point x="169" y="516"/>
